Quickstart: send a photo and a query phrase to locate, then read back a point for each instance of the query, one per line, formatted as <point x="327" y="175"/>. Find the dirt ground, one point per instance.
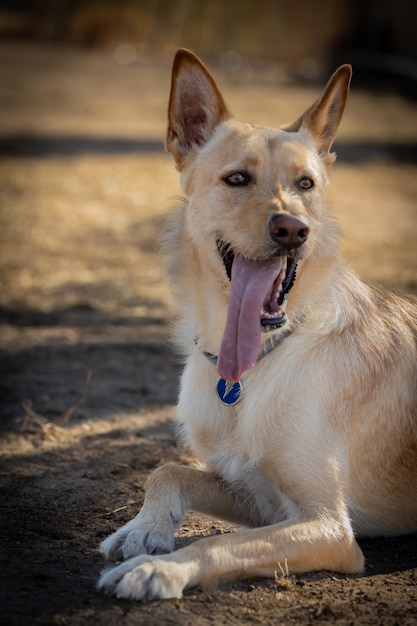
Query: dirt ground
<point x="88" y="378"/>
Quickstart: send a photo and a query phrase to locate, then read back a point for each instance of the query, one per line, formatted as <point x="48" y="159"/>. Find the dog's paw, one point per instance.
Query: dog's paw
<point x="145" y="578"/>
<point x="145" y="534"/>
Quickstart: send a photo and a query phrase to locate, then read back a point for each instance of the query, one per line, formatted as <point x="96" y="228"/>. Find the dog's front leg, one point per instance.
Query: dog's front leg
<point x="321" y="544"/>
<point x="170" y="491"/>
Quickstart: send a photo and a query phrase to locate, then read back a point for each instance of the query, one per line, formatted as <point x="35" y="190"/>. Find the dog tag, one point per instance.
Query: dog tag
<point x="228" y="392"/>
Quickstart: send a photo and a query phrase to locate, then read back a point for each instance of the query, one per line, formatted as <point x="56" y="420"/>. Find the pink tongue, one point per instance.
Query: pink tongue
<point x="241" y="343"/>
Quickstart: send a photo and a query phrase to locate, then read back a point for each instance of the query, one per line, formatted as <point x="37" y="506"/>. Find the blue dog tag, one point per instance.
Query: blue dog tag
<point x="228" y="392"/>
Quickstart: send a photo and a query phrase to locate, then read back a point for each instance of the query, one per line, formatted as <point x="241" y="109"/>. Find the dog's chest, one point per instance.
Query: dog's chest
<point x="229" y="439"/>
<point x="237" y="444"/>
<point x="269" y="440"/>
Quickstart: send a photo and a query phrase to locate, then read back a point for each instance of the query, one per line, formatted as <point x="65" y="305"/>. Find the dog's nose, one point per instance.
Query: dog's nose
<point x="288" y="231"/>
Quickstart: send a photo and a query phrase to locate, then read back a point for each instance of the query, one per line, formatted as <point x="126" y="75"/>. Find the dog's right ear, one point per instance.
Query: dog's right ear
<point x="196" y="106"/>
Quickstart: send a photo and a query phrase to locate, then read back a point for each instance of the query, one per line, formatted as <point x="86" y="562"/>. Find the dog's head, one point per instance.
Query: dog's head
<point x="255" y="197"/>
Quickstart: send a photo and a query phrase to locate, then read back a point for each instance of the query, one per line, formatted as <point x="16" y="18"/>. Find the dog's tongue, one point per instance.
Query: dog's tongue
<point x="250" y="284"/>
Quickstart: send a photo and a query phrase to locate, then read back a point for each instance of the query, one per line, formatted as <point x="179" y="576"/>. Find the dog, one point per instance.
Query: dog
<point x="299" y="392"/>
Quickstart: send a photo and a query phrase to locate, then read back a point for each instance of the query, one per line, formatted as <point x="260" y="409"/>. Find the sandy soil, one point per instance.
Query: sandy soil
<point x="88" y="379"/>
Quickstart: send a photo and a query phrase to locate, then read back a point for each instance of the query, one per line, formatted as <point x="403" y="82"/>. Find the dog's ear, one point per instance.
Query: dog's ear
<point x="196" y="106"/>
<point x="323" y="117"/>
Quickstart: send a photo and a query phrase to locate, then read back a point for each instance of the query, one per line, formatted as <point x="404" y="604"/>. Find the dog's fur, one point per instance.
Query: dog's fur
<point x="323" y="444"/>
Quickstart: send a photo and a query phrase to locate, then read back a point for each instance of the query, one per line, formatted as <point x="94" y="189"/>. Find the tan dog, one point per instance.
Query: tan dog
<point x="320" y="443"/>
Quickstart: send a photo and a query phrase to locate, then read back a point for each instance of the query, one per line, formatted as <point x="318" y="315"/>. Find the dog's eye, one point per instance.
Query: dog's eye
<point x="304" y="184"/>
<point x="237" y="179"/>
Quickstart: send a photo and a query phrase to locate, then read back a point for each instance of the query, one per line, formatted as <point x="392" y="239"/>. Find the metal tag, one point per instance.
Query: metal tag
<point x="228" y="392"/>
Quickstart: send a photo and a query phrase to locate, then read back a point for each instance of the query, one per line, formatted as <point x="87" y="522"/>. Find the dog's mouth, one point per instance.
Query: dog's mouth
<point x="272" y="313"/>
<point x="257" y="302"/>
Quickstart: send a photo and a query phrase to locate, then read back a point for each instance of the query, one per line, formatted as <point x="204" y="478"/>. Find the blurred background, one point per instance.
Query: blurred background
<point x="302" y="38"/>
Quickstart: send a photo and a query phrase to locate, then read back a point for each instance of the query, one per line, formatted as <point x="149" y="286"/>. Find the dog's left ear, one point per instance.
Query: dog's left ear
<point x="323" y="117"/>
<point x="196" y="106"/>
